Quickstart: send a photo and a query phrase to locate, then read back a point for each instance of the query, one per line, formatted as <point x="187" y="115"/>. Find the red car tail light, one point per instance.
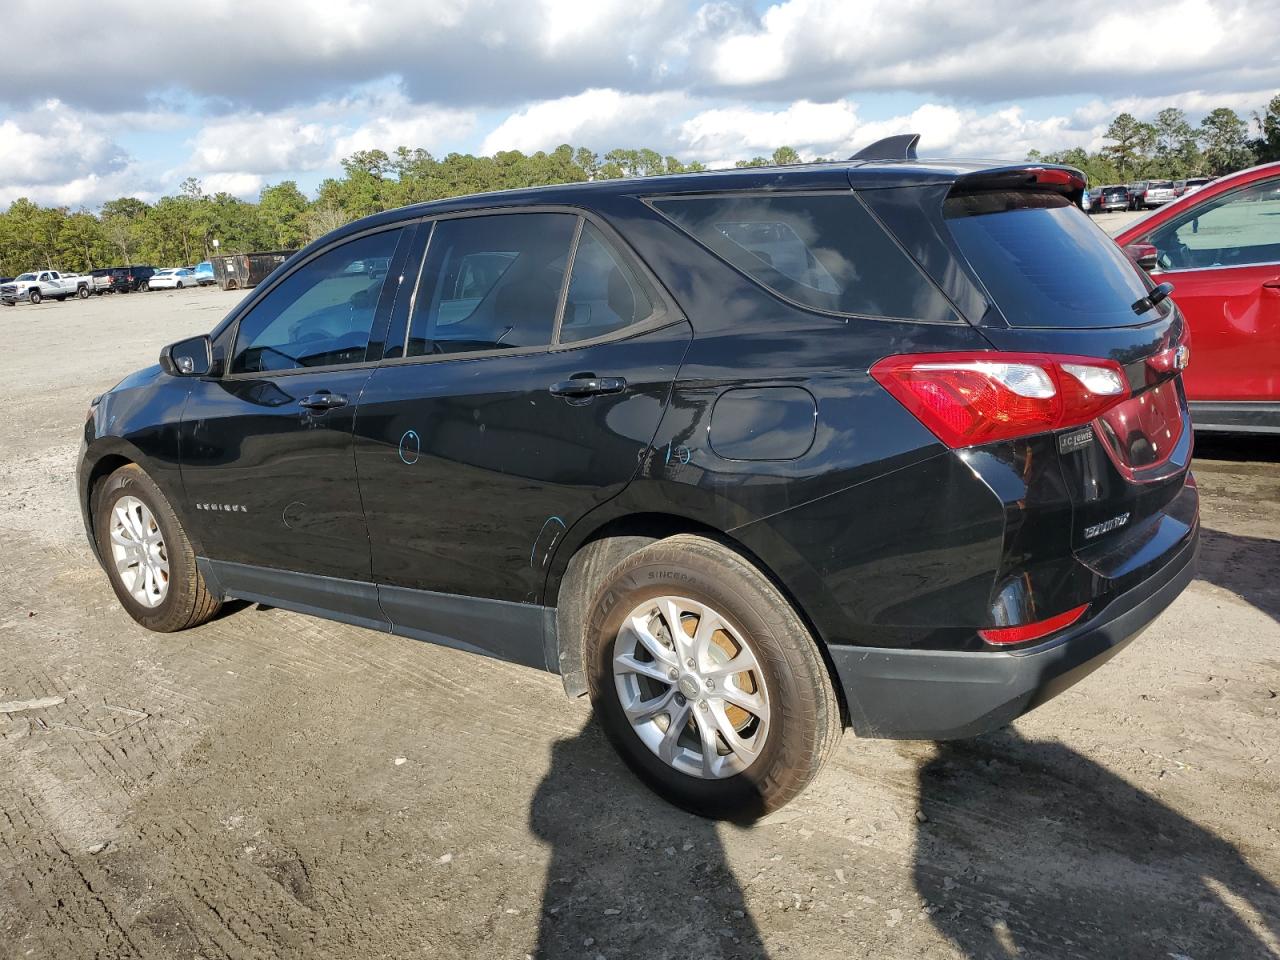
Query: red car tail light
<point x="1033" y="631"/>
<point x="967" y="399"/>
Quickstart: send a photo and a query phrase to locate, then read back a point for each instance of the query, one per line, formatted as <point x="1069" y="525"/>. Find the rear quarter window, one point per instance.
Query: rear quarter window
<point x="824" y="251"/>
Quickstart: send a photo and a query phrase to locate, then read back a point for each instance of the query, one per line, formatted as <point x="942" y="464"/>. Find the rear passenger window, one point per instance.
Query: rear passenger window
<point x="491" y="283"/>
<point x="824" y="251"/>
<point x="605" y="294"/>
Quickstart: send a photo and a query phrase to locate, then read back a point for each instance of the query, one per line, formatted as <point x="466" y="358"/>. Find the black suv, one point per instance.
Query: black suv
<point x="749" y="456"/>
<point x="130" y="279"/>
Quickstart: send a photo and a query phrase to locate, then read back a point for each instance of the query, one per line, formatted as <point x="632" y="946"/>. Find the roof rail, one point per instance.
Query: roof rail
<point x="899" y="147"/>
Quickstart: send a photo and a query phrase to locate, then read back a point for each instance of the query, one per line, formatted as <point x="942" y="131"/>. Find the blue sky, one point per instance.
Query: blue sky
<point x="84" y="120"/>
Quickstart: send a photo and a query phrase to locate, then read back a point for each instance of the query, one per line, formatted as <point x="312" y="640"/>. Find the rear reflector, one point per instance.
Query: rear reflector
<point x="1033" y="631"/>
<point x="967" y="399"/>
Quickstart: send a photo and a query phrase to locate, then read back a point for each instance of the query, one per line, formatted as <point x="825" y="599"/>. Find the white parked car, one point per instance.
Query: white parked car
<point x="175" y="278"/>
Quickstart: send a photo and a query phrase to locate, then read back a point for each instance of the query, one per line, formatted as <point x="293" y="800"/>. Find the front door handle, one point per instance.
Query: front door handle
<point x="1271" y="286"/>
<point x="579" y="387"/>
<point x="324" y="400"/>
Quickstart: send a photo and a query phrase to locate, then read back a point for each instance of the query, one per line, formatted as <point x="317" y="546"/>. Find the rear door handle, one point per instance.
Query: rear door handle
<point x="1272" y="285"/>
<point x="324" y="400"/>
<point x="588" y="386"/>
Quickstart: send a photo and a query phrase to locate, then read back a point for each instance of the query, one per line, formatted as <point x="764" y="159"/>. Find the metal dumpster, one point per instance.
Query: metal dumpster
<point x="243" y="270"/>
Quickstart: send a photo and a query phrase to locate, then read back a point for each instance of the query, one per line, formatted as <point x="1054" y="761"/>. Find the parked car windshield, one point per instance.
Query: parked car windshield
<point x="27" y="276"/>
<point x="1043" y="262"/>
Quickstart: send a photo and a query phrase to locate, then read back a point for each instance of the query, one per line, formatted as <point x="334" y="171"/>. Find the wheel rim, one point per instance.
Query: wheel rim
<point x="142" y="563"/>
<point x="691" y="687"/>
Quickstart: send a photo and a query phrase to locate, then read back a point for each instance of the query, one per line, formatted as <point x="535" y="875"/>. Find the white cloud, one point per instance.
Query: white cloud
<point x="599" y="118"/>
<point x="1011" y="48"/>
<point x="247" y="185"/>
<point x="397" y="122"/>
<point x="52" y="144"/>
<point x="240" y="154"/>
<point x="727" y="133"/>
<point x="261" y="143"/>
<point x="315" y="80"/>
<point x="56" y="155"/>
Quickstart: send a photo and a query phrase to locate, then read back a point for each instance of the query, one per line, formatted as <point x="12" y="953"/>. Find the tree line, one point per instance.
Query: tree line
<point x="181" y="229"/>
<point x="1169" y="147"/>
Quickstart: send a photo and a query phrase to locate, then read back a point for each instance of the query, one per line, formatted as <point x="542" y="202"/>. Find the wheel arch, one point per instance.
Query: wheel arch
<point x="106" y="460"/>
<point x="572" y="583"/>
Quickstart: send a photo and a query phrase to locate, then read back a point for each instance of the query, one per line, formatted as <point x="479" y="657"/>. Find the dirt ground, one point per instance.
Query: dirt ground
<point x="271" y="785"/>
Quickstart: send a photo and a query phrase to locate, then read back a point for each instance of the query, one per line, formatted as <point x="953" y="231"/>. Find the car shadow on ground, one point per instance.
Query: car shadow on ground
<point x="630" y="876"/>
<point x="1249" y="567"/>
<point x="1029" y="849"/>
<point x="1242" y="448"/>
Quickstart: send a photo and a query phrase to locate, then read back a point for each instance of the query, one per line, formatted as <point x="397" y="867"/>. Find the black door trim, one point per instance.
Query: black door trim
<point x="522" y="633"/>
<point x="348" y="601"/>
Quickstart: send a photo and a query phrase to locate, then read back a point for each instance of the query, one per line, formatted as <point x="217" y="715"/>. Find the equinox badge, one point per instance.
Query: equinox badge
<point x="1098" y="529"/>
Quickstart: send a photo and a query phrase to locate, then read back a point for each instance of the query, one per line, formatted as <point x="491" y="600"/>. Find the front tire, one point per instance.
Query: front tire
<point x="34" y="296"/>
<point x="143" y="287"/>
<point x="147" y="556"/>
<point x="707" y="682"/>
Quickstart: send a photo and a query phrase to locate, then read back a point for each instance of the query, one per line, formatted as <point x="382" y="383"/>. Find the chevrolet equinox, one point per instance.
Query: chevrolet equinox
<point x="747" y="456"/>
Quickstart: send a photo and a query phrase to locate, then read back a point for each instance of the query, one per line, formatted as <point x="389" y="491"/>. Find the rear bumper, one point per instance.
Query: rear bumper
<point x="942" y="695"/>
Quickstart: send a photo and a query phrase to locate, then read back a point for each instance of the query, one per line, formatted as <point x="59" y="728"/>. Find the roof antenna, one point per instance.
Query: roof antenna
<point x="899" y="147"/>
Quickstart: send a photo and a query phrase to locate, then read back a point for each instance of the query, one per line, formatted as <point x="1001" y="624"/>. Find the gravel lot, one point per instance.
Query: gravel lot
<point x="270" y="785"/>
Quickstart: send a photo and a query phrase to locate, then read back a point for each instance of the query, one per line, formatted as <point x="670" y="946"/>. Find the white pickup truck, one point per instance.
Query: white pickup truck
<point x="45" y="285"/>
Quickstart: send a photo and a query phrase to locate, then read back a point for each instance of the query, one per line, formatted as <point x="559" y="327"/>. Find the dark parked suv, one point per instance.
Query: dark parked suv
<point x="749" y="456"/>
<point x="129" y="279"/>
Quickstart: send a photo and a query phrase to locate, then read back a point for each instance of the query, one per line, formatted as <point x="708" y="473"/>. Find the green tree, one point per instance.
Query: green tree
<point x="1133" y="142"/>
<point x="785" y="155"/>
<point x="1224" y="138"/>
<point x="282" y="210"/>
<point x="1266" y="147"/>
<point x="1176" y="151"/>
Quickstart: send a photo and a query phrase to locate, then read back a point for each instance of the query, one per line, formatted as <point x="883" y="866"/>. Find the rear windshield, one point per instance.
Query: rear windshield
<point x="1115" y="191"/>
<point x="824" y="251"/>
<point x="1044" y="263"/>
<point x="1160" y="185"/>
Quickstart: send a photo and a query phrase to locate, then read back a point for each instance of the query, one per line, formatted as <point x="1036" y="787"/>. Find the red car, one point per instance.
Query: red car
<point x="1220" y="248"/>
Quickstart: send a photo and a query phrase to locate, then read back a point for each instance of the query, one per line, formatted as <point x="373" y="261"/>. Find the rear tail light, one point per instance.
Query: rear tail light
<point x="1001" y="636"/>
<point x="967" y="399"/>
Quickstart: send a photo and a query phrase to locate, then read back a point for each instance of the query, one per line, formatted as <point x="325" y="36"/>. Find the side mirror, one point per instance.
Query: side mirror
<point x="188" y="358"/>
<point x="1144" y="255"/>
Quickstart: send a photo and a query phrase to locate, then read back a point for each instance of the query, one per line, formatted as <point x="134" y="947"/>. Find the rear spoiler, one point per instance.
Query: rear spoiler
<point x="1051" y="178"/>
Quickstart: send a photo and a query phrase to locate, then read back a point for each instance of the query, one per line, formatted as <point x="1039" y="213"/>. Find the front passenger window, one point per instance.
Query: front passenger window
<point x="321" y="314"/>
<point x="1234" y="230"/>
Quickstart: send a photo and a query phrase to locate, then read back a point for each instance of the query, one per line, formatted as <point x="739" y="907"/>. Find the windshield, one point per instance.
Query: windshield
<point x="27" y="276"/>
<point x="1044" y="262"/>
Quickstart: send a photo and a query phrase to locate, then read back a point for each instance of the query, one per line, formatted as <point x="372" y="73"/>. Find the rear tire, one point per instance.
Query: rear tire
<point x="135" y="526"/>
<point x="746" y="742"/>
<point x="82" y="293"/>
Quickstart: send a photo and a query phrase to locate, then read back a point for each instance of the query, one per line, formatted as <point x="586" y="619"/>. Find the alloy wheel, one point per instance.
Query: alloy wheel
<point x="691" y="687"/>
<point x="138" y="550"/>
